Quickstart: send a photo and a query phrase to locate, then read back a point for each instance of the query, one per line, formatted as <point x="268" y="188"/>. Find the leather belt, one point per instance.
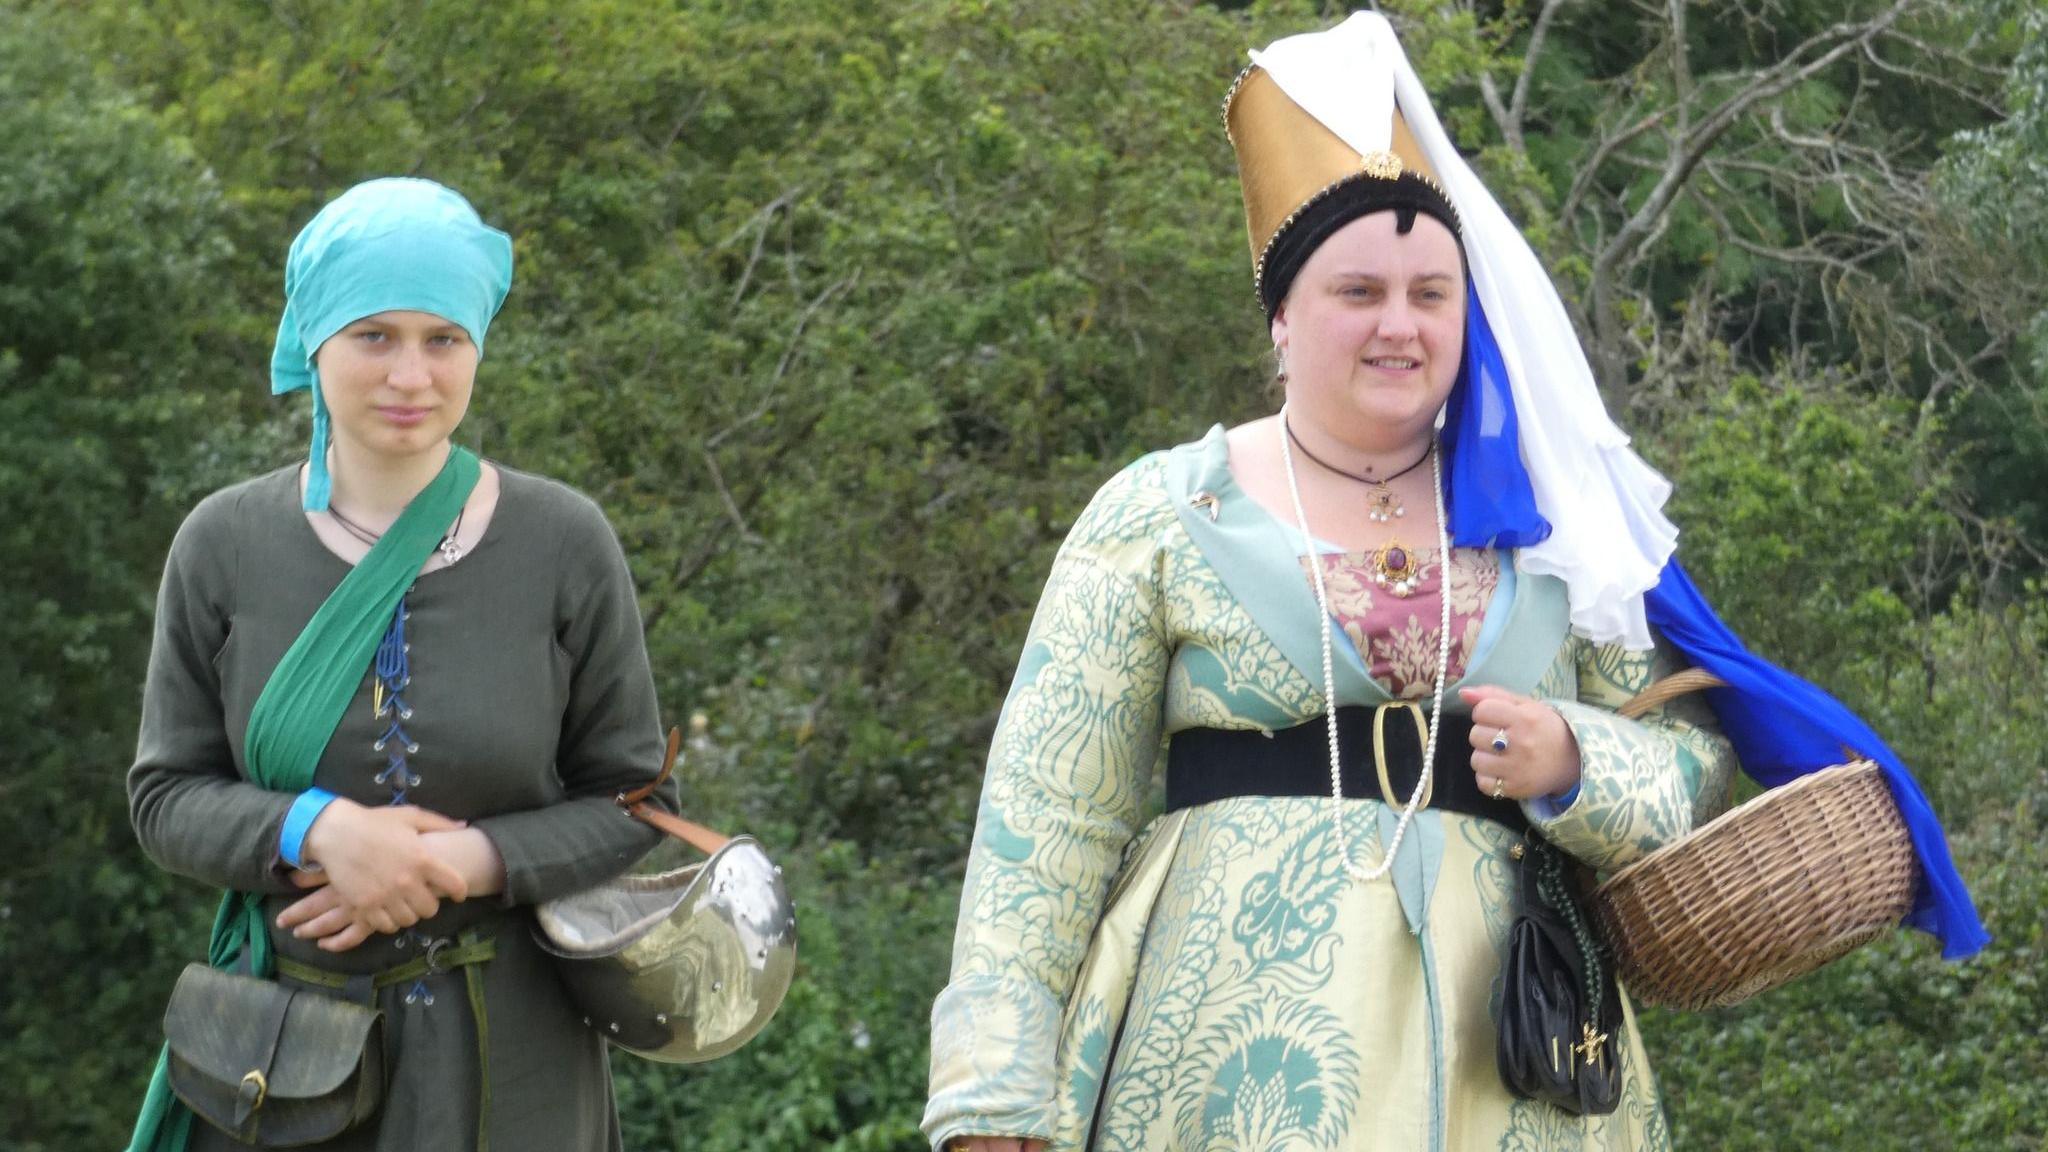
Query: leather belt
<point x="437" y="957"/>
<point x="1382" y="759"/>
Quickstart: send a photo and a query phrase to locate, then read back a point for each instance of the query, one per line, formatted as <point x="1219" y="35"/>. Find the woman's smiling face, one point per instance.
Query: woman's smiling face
<point x="396" y="383"/>
<point x="1373" y="331"/>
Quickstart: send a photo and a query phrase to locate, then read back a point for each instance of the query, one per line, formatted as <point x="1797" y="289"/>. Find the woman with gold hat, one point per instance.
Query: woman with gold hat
<point x="393" y="692"/>
<point x="1441" y="534"/>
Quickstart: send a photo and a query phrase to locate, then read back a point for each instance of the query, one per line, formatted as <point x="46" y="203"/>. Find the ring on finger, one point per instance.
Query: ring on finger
<point x="1500" y="740"/>
<point x="1500" y="786"/>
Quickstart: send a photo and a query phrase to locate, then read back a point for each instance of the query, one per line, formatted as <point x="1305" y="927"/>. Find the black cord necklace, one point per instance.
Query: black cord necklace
<point x="1376" y="481"/>
<point x="1384" y="505"/>
<point x="447" y="546"/>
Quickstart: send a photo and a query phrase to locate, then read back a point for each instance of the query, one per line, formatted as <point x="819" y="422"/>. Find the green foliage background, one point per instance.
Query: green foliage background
<point x="842" y="309"/>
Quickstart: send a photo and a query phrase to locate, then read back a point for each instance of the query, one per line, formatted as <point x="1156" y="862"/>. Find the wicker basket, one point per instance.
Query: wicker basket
<point x="1781" y="885"/>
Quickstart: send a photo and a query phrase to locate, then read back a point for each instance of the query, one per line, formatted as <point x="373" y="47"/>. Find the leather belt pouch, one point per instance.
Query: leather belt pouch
<point x="272" y="1066"/>
<point x="1560" y="1008"/>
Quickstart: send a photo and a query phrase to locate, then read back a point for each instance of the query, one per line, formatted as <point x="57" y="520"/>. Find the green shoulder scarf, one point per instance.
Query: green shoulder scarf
<point x="295" y="717"/>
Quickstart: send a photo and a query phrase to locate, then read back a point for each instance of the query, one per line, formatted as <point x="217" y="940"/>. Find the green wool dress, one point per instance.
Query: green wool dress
<point x="532" y="706"/>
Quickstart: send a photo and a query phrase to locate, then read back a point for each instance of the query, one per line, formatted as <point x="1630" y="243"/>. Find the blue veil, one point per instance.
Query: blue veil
<point x="1781" y="726"/>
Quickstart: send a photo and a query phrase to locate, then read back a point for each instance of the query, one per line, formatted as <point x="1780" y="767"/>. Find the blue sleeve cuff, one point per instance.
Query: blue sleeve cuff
<point x="297" y="819"/>
<point x="1544" y="809"/>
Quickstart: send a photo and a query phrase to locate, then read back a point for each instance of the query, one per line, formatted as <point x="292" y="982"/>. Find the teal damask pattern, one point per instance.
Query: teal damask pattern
<point x="1092" y="1034"/>
<point x="1291" y="908"/>
<point x="1230" y="1047"/>
<point x="1280" y="1069"/>
<point x="1233" y="677"/>
<point x="1273" y="1002"/>
<point x="1636" y="794"/>
<point x="1493" y="877"/>
<point x="1282" y="1072"/>
<point x="1176" y="972"/>
<point x="1071" y="759"/>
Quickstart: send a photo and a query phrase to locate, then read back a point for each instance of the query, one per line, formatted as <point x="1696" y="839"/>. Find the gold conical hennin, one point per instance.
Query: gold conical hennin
<point x="1287" y="160"/>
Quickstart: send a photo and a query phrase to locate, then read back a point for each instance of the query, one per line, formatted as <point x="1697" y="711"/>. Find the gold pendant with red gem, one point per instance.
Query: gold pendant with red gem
<point x="1394" y="568"/>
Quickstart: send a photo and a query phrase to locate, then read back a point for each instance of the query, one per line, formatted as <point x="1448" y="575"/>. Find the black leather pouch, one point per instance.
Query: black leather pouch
<point x="1560" y="1008"/>
<point x="272" y="1066"/>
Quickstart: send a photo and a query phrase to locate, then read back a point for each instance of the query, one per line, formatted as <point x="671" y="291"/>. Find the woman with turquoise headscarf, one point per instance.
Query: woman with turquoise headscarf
<point x="392" y="693"/>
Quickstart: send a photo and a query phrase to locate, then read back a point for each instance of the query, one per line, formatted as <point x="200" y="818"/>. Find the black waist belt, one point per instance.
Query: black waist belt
<point x="1381" y="749"/>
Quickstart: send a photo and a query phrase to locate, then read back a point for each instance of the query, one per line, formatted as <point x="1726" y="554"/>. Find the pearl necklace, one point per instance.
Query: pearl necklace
<point x="1443" y="664"/>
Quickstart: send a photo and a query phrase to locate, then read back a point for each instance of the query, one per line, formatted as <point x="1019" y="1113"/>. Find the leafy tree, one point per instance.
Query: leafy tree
<point x="842" y="309"/>
<point x="1750" y="175"/>
<point x="109" y="242"/>
<point x="1996" y="179"/>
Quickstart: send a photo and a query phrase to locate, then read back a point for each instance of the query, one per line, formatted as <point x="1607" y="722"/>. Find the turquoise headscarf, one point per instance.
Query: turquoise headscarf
<point x="384" y="245"/>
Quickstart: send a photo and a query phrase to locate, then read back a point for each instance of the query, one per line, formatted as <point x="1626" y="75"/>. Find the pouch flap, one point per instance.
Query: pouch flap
<point x="212" y="1026"/>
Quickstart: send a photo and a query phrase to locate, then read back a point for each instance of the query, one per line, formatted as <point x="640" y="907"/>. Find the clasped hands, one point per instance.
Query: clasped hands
<point x="382" y="870"/>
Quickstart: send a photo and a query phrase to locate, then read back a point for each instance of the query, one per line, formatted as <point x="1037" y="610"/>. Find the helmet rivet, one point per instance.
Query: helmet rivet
<point x="661" y="1018"/>
<point x="615" y="1026"/>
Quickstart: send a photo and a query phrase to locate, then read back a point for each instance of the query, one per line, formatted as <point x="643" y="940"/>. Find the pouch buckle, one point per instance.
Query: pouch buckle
<point x="249" y="1096"/>
<point x="262" y="1085"/>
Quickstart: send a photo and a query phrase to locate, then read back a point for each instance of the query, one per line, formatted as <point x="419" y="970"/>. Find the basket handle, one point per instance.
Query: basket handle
<point x="1670" y="688"/>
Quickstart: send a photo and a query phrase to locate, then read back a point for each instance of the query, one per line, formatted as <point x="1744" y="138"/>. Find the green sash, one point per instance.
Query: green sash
<point x="295" y="717"/>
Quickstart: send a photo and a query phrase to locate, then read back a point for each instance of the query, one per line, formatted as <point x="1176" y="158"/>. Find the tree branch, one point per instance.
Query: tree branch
<point x="1694" y="144"/>
<point x="759" y="221"/>
<point x="1590" y="170"/>
<point x="1518" y="108"/>
<point x="732" y="508"/>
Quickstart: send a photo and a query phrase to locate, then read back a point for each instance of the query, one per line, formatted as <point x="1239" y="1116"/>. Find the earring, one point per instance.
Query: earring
<point x="1280" y="364"/>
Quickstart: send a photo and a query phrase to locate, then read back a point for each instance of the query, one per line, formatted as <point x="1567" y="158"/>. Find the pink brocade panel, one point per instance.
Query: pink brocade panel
<point x="1396" y="635"/>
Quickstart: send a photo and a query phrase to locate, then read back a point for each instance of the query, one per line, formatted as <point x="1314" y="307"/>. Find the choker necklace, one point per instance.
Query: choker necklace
<point x="450" y="550"/>
<point x="1385" y="506"/>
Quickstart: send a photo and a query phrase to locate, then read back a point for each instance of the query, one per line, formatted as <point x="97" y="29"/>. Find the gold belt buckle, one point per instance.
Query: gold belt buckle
<point x="1379" y="752"/>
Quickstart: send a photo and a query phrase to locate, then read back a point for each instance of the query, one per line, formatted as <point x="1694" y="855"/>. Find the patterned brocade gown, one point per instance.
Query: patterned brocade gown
<point x="1211" y="979"/>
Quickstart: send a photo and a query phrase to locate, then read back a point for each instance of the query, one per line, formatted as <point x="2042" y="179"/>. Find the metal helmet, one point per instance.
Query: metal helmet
<point x="681" y="967"/>
<point x="684" y="966"/>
